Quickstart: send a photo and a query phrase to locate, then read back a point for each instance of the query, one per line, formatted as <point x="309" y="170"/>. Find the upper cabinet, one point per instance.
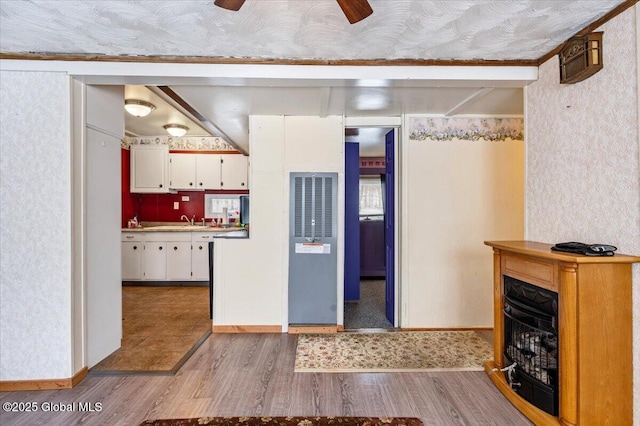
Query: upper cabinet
<point x="208" y="171"/>
<point x="234" y="172"/>
<point x="154" y="170"/>
<point x="194" y="171"/>
<point x="182" y="171"/>
<point x="149" y="169"/>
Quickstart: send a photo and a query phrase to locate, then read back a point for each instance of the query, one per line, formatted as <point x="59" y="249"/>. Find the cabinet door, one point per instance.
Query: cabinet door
<point x="234" y="172"/>
<point x="178" y="260"/>
<point x="149" y="164"/>
<point x="155" y="260"/>
<point x="182" y="171"/>
<point x="200" y="261"/>
<point x="208" y="171"/>
<point x="131" y="260"/>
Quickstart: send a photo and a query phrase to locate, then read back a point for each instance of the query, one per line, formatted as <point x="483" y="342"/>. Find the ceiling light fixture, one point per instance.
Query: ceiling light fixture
<point x="176" y="130"/>
<point x="138" y="108"/>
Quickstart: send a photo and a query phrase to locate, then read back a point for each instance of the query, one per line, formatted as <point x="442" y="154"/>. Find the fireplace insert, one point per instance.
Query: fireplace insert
<point x="531" y="342"/>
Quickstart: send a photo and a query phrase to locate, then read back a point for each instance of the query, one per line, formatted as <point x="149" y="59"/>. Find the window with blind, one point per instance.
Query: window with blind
<point x="371" y="198"/>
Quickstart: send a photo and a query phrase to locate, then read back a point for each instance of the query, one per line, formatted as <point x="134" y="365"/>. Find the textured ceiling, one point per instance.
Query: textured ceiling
<point x="299" y="29"/>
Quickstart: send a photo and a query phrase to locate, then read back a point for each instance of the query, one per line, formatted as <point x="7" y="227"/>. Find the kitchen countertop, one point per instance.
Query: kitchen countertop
<point x="183" y="227"/>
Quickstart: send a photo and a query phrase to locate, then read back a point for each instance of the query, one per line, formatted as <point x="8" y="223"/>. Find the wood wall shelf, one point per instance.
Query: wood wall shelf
<point x="595" y="383"/>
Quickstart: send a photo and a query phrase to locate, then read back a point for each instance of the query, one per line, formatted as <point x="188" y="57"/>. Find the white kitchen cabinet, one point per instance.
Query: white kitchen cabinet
<point x="149" y="169"/>
<point x="131" y="257"/>
<point x="165" y="256"/>
<point x="208" y="171"/>
<point x="154" y="260"/>
<point x="200" y="256"/>
<point x="234" y="172"/>
<point x="194" y="171"/>
<point x="179" y="260"/>
<point x="182" y="171"/>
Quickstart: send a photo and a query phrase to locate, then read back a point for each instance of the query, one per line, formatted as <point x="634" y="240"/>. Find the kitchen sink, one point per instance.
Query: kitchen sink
<point x="175" y="227"/>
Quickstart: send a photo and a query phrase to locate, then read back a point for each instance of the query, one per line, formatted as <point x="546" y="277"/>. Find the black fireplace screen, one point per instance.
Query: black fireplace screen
<point x="531" y="342"/>
<point x="533" y="349"/>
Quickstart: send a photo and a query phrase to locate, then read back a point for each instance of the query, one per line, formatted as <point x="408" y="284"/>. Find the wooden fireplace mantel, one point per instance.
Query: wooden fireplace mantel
<point x="595" y="385"/>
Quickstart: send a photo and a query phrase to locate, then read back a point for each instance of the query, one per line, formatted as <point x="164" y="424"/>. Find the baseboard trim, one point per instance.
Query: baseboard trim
<point x="48" y="384"/>
<point x="446" y="329"/>
<point x="319" y="329"/>
<point x="246" y="329"/>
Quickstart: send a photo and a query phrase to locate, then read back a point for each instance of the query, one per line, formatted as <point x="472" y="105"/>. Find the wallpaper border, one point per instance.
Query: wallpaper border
<point x="465" y="128"/>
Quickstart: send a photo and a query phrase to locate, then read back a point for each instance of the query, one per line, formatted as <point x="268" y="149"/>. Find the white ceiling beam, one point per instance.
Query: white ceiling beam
<point x="373" y="121"/>
<point x="470" y="99"/>
<point x="171" y="74"/>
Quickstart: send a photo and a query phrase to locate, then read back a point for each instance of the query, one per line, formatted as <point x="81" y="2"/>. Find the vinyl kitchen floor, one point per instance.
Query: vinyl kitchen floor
<point x="162" y="327"/>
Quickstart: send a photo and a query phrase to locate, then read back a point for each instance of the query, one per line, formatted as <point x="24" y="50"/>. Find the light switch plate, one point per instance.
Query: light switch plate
<point x="185" y="198"/>
<point x="176" y="205"/>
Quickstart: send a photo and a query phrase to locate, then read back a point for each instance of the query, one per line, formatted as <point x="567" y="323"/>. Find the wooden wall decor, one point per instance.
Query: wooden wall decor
<point x="580" y="58"/>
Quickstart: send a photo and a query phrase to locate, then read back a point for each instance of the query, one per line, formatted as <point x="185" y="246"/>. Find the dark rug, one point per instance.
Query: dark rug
<point x="288" y="421"/>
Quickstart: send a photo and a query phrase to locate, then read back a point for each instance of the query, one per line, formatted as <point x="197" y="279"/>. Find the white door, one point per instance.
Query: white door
<point x="131" y="260"/>
<point x="200" y="261"/>
<point x="103" y="276"/>
<point x="149" y="168"/>
<point x="154" y="260"/>
<point x="208" y="171"/>
<point x="182" y="171"/>
<point x="179" y="260"/>
<point x="234" y="172"/>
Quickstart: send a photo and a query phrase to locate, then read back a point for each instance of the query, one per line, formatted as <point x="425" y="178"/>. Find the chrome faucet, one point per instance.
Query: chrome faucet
<point x="189" y="222"/>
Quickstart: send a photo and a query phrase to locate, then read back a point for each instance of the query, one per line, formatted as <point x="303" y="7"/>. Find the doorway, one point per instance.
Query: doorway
<point x="370" y="188"/>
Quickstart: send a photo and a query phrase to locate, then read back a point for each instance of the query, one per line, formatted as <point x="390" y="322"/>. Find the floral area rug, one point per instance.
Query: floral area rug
<point x="288" y="421"/>
<point x="392" y="352"/>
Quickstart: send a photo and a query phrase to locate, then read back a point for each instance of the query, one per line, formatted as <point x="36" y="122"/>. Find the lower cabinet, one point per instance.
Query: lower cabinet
<point x="131" y="257"/>
<point x="165" y="256"/>
<point x="200" y="256"/>
<point x="154" y="260"/>
<point x="179" y="260"/>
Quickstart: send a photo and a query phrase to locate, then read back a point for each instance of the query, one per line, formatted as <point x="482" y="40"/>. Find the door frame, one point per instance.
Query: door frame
<point x="394" y="123"/>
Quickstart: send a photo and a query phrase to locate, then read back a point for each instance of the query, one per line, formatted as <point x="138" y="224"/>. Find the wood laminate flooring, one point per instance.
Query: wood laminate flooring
<point x="160" y="327"/>
<point x="252" y="375"/>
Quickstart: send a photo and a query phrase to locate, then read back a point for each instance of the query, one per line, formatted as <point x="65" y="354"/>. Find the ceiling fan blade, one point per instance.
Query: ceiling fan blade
<point x="229" y="4"/>
<point x="355" y="10"/>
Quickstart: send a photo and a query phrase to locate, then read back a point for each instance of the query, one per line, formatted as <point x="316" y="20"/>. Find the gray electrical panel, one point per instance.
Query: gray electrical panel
<point x="313" y="240"/>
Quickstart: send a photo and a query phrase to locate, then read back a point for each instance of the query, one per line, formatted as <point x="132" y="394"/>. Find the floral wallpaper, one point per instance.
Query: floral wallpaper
<point x="468" y="129"/>
<point x="206" y="143"/>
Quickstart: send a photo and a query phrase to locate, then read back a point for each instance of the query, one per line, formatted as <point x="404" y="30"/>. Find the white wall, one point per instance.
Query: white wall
<point x="251" y="275"/>
<point x="583" y="157"/>
<point x="35" y="226"/>
<point x="457" y="195"/>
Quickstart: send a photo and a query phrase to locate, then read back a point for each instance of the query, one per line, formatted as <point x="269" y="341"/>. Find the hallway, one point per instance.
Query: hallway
<point x="368" y="312"/>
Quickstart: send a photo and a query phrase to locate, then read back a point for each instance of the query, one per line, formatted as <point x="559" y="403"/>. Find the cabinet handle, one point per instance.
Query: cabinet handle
<point x="175" y="248"/>
<point x="200" y="247"/>
<point x="160" y="186"/>
<point x="190" y="183"/>
<point x="200" y="184"/>
<point x="242" y="184"/>
<point x="135" y="247"/>
<point x="221" y="183"/>
<point x="160" y="248"/>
